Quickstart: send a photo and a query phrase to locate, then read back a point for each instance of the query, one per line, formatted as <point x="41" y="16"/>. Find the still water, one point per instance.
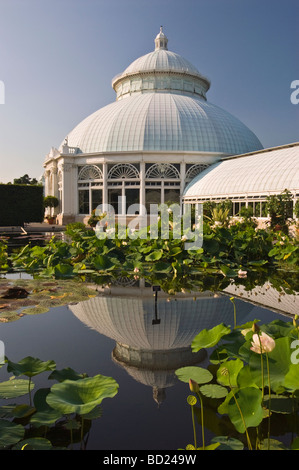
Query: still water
<point x="139" y="339"/>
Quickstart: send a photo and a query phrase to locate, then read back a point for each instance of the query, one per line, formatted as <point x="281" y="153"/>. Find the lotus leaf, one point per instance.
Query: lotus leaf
<point x="29" y="366"/>
<point x="228" y="443"/>
<point x="34" y="443"/>
<point x="209" y="338"/>
<point x="45" y="415"/>
<point x="64" y="374"/>
<point x="14" y="388"/>
<point x="250" y="402"/>
<point x="213" y="391"/>
<point x="10" y="433"/>
<point x="291" y="380"/>
<point x="198" y="374"/>
<point x="82" y="395"/>
<point x="228" y="372"/>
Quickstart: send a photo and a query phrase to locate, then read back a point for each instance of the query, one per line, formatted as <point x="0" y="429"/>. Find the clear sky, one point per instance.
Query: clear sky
<point x="58" y="57"/>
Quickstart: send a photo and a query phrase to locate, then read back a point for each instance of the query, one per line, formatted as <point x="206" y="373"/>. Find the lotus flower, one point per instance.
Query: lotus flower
<point x="262" y="343"/>
<point x="242" y="273"/>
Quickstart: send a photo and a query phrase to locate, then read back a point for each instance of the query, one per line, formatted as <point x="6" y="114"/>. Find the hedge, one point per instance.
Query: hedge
<point x="20" y="204"/>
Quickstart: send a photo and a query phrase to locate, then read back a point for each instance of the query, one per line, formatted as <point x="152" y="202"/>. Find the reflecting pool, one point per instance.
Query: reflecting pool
<point x="139" y="335"/>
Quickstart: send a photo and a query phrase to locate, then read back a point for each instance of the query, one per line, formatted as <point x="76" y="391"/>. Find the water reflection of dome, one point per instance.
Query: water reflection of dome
<point x="151" y="344"/>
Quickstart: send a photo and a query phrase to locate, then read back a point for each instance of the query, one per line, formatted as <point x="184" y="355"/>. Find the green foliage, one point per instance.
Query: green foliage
<point x="23" y="203"/>
<point x="82" y="395"/>
<point x="209" y="338"/>
<point x="25" y="179"/>
<point x="249" y="388"/>
<point x="68" y="404"/>
<point x="224" y="251"/>
<point x="280" y="208"/>
<point x="50" y="201"/>
<point x="14" y="388"/>
<point x="3" y="256"/>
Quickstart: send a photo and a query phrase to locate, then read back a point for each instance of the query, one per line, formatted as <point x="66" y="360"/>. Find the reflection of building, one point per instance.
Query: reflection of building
<point x="151" y="351"/>
<point x="157" y="136"/>
<point x="268" y="297"/>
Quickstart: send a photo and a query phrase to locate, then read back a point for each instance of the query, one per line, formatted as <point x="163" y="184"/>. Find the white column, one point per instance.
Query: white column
<point x="105" y="184"/>
<point x="123" y="200"/>
<point x="47" y="182"/>
<point x="183" y="175"/>
<point x="142" y="189"/>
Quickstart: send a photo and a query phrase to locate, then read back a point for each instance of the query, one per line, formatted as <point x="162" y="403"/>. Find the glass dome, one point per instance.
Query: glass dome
<point x="161" y="106"/>
<point x="162" y="121"/>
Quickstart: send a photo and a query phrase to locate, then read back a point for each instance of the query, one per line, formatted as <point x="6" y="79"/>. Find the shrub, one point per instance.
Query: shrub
<point x="20" y="204"/>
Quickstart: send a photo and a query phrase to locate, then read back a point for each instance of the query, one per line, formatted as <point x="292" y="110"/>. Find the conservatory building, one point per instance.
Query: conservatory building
<point x="146" y="146"/>
<point x="248" y="180"/>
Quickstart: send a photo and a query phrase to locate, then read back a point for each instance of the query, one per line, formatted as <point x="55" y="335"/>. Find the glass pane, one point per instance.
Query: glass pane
<point x="236" y="208"/>
<point x="171" y="196"/>
<point x="132" y="197"/>
<point x="152" y="196"/>
<point x="84" y="201"/>
<point x="113" y="199"/>
<point x="257" y="209"/>
<point x="96" y="198"/>
<point x="264" y="209"/>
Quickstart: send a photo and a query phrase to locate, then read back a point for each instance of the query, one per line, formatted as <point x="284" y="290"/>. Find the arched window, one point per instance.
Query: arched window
<point x="194" y="170"/>
<point x="123" y="187"/>
<point x="122" y="171"/>
<point x="90" y="172"/>
<point x="162" y="171"/>
<point x="90" y="188"/>
<point x="162" y="184"/>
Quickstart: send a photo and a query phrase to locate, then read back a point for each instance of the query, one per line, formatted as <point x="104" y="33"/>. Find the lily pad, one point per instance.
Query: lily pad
<point x="249" y="400"/>
<point x="14" y="388"/>
<point x="209" y="338"/>
<point x="213" y="391"/>
<point x="34" y="443"/>
<point x="198" y="374"/>
<point x="81" y="396"/>
<point x="10" y="433"/>
<point x="29" y="366"/>
<point x="228" y="443"/>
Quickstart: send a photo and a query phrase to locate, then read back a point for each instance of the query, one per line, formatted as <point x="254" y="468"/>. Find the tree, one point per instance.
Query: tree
<point x="25" y="179"/>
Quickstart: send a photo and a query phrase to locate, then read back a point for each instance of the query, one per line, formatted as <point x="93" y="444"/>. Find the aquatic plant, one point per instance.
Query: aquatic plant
<point x="3" y="256"/>
<point x="39" y="296"/>
<point x="62" y="412"/>
<point x="236" y="374"/>
<point x="225" y="251"/>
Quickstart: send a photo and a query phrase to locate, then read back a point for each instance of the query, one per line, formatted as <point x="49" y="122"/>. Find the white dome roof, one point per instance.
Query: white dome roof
<point x="161" y="106"/>
<point x="162" y="121"/>
<point x="161" y="60"/>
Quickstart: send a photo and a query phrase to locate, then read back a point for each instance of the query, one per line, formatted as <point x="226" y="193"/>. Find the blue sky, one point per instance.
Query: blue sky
<point x="58" y="57"/>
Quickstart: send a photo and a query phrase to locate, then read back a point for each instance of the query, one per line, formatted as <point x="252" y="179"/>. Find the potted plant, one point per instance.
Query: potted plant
<point x="94" y="219"/>
<point x="50" y="202"/>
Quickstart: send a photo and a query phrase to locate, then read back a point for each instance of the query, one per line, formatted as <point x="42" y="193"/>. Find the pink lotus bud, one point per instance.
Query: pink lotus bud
<point x="194" y="387"/>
